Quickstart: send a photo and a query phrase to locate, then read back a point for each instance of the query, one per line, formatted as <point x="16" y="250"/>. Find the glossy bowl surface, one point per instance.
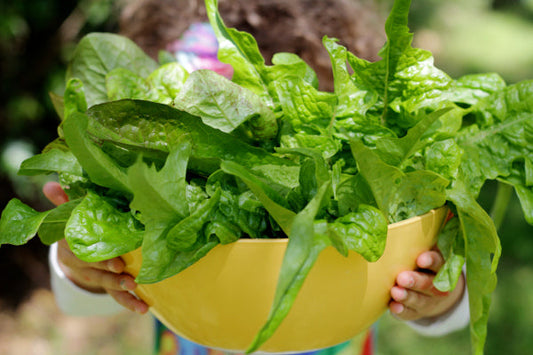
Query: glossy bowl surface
<point x="223" y="300"/>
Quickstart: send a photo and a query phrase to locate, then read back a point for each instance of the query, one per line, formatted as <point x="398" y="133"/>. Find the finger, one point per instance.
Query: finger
<point x="411" y="299"/>
<point x="403" y="313"/>
<point x="104" y="279"/>
<point x="129" y="301"/>
<point x="115" y="265"/>
<point x="67" y="258"/>
<point x="430" y="260"/>
<point x="418" y="281"/>
<point x="55" y="193"/>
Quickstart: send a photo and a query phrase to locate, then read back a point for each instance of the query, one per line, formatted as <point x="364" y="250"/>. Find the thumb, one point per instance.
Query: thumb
<point x="55" y="193"/>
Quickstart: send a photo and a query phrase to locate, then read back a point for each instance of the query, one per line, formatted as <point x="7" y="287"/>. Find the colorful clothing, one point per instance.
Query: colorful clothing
<point x="168" y="343"/>
<point x="197" y="49"/>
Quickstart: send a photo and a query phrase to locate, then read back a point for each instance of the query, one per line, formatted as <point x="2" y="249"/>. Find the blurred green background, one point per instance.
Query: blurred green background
<point x="465" y="36"/>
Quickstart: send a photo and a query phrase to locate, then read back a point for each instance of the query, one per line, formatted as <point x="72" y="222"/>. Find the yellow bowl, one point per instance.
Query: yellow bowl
<point x="223" y="300"/>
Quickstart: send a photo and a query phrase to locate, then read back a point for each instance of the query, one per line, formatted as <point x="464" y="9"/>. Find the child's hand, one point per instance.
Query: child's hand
<point x="415" y="297"/>
<point x="99" y="277"/>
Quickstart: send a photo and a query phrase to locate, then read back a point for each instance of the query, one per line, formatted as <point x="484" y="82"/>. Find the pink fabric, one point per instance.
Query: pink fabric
<point x="197" y="49"/>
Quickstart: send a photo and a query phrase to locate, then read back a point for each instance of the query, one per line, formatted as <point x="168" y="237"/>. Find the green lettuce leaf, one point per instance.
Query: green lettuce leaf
<point x="483" y="250"/>
<point x="52" y="161"/>
<point x="148" y="128"/>
<point x="52" y="228"/>
<point x="273" y="201"/>
<point x="399" y="195"/>
<point x="99" y="166"/>
<point x="99" y="53"/>
<point x="96" y="230"/>
<point x="306" y="240"/>
<point x="452" y="246"/>
<point x="225" y="105"/>
<point x="363" y="231"/>
<point x="19" y="223"/>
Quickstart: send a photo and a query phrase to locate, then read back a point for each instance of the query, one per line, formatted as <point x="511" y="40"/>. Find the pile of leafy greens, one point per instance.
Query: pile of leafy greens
<point x="176" y="162"/>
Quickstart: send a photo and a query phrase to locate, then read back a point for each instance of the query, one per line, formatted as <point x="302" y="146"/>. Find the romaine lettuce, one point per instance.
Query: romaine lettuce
<point x="179" y="162"/>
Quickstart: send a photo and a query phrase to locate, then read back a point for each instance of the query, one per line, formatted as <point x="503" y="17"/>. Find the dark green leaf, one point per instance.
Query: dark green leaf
<point x="307" y="239"/>
<point x="101" y="168"/>
<point x="274" y="203"/>
<point x="149" y="128"/>
<point x="184" y="234"/>
<point x="52" y="228"/>
<point x="19" y="223"/>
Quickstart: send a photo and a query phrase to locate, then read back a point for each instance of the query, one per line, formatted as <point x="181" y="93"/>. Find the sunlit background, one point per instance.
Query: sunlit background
<point x="36" y="39"/>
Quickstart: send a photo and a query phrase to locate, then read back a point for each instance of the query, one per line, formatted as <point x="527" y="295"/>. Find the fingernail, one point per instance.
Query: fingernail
<point x="425" y="261"/>
<point x="410" y="281"/>
<point x="406" y="280"/>
<point x="400" y="294"/>
<point x="127" y="285"/>
<point x="112" y="266"/>
<point x="398" y="308"/>
<point x="140" y="309"/>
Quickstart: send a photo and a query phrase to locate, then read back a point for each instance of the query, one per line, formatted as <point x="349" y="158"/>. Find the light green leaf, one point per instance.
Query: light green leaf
<point x="95" y="230"/>
<point x="161" y="195"/>
<point x="74" y="98"/>
<point x="452" y="246"/>
<point x="483" y="250"/>
<point x="225" y="105"/>
<point x="122" y="83"/>
<point x="363" y="231"/>
<point x="240" y="50"/>
<point x="51" y="161"/>
<point x="399" y="195"/>
<point x="99" y="53"/>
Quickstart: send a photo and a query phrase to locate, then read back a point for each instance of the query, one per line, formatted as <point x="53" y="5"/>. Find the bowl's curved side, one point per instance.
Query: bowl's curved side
<point x="223" y="300"/>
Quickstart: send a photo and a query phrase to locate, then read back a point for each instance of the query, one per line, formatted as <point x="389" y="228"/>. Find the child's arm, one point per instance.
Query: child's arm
<point x="431" y="312"/>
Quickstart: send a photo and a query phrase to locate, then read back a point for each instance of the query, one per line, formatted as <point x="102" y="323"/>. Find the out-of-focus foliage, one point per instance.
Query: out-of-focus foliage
<point x="477" y="35"/>
<point x="36" y="38"/>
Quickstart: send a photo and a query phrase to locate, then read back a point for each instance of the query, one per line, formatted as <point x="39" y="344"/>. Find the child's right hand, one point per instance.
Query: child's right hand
<point x="100" y="277"/>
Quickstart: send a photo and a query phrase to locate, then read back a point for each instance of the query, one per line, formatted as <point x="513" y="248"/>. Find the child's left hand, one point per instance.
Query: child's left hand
<point x="415" y="297"/>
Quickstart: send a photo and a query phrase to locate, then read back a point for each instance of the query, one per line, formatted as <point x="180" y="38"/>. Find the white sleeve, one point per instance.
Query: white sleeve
<point x="455" y="319"/>
<point x="73" y="300"/>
